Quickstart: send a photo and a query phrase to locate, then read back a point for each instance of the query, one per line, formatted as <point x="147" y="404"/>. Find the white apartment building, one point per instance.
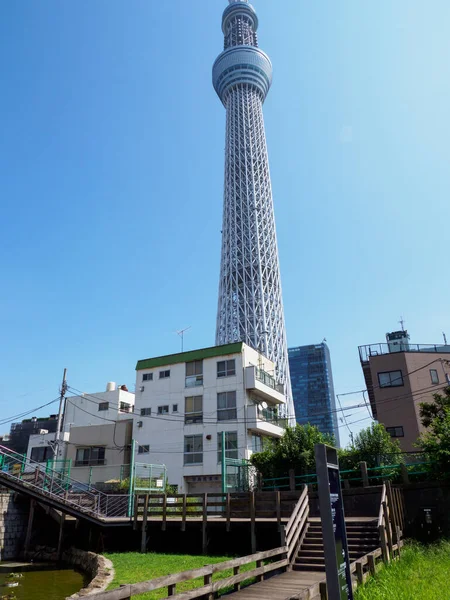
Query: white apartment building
<point x="185" y="401"/>
<point x="90" y="438"/>
<point x="115" y="404"/>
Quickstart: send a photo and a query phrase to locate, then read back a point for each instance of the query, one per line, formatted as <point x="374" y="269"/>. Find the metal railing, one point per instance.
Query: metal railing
<point x="268" y="380"/>
<point x="56" y="485"/>
<point x="365" y="352"/>
<point x="397" y="473"/>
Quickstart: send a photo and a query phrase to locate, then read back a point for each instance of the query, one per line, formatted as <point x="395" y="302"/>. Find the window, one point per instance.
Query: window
<point x="146" y="412"/>
<point x="90" y="457"/>
<point x="231" y="445"/>
<point x="145" y="449"/>
<point x="390" y="379"/>
<point x="125" y="407"/>
<point x="434" y="376"/>
<point x="163" y="410"/>
<point x="193" y="409"/>
<point x="257" y="443"/>
<point x="226" y="406"/>
<point x="395" y="431"/>
<point x="193" y="449"/>
<point x="226" y="368"/>
<point x="147" y="377"/>
<point x="41" y="453"/>
<point x="164" y="374"/>
<point x="103" y="406"/>
<point x="174" y="407"/>
<point x="194" y="373"/>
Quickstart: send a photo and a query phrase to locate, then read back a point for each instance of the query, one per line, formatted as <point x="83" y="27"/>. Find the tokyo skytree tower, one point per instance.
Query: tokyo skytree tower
<point x="250" y="307"/>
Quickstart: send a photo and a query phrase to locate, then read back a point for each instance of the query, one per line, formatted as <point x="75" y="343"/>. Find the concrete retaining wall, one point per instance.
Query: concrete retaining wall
<point x="99" y="569"/>
<point x="13" y="525"/>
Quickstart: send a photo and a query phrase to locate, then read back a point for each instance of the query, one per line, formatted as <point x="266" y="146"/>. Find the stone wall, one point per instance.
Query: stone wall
<point x="99" y="569"/>
<point x="13" y="525"/>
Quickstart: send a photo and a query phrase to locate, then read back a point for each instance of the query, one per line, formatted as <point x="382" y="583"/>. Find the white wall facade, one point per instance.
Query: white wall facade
<point x="84" y="410"/>
<point x="165" y="433"/>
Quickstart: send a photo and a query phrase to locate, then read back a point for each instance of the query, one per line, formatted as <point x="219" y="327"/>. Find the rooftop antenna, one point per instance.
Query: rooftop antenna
<point x="181" y="333"/>
<point x="445" y="338"/>
<point x="402" y="323"/>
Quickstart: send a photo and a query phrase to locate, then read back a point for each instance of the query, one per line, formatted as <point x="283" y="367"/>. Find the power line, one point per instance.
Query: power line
<point x="24" y="414"/>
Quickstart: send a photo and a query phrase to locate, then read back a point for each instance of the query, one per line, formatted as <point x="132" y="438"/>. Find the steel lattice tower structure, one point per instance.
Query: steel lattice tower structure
<point x="250" y="307"/>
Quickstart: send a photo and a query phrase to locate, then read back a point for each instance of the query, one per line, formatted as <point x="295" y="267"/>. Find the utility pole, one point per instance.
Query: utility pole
<point x="60" y="413"/>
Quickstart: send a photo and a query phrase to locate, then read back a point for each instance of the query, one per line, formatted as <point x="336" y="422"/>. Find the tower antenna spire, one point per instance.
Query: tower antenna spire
<point x="250" y="307"/>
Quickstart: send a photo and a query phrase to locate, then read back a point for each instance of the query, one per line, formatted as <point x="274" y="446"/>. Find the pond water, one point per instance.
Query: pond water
<point x="44" y="585"/>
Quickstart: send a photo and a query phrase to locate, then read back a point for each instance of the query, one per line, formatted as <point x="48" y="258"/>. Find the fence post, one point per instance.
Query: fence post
<point x="360" y="572"/>
<point x="278" y="509"/>
<point x="292" y="480"/>
<point x="144" y="525"/>
<point x="207" y="580"/>
<point x="252" y="522"/>
<point x="183" y="522"/>
<point x="237" y="586"/>
<point x="371" y="563"/>
<point x="228" y="502"/>
<point x="364" y="474"/>
<point x="259" y="564"/>
<point x="204" y="524"/>
<point x="164" y="515"/>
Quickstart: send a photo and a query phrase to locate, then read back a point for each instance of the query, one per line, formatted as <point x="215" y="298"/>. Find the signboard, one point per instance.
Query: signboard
<point x="337" y="560"/>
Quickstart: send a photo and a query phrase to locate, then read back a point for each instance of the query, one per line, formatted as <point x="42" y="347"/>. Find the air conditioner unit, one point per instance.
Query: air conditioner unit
<point x="139" y="423"/>
<point x="142" y="388"/>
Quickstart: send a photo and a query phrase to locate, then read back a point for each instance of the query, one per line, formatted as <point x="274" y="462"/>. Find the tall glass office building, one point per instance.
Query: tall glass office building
<point x="312" y="387"/>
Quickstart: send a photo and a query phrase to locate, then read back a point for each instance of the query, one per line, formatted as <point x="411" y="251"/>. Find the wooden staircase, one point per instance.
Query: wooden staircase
<point x="362" y="535"/>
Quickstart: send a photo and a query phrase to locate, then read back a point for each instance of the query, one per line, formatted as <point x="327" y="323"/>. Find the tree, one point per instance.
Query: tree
<point x="431" y="410"/>
<point x="436" y="444"/>
<point x="372" y="445"/>
<point x="295" y="450"/>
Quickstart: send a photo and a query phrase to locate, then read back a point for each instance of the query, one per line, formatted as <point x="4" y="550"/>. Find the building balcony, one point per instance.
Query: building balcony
<point x="265" y="421"/>
<point x="264" y="385"/>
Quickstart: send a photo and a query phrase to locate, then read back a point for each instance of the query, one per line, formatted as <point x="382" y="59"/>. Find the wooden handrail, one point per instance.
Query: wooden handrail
<point x="383" y="499"/>
<point x="295" y="530"/>
<point x="296" y="509"/>
<point x="124" y="592"/>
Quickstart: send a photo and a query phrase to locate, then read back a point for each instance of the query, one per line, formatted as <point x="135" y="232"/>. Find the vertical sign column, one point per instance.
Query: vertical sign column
<point x="337" y="560"/>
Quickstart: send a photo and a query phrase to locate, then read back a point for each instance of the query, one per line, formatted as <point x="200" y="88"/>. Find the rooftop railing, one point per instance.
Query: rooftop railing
<point x="365" y="352"/>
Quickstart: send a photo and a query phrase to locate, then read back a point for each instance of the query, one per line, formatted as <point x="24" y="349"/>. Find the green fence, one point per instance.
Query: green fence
<point x="396" y="473"/>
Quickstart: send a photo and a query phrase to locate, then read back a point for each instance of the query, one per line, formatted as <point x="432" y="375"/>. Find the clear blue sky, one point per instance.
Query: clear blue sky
<point x="111" y="175"/>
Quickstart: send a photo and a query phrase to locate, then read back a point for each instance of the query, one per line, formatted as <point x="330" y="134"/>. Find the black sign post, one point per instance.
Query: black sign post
<point x="337" y="560"/>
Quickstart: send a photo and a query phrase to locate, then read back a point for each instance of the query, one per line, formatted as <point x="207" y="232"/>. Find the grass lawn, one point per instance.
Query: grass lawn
<point x="132" y="567"/>
<point x="422" y="573"/>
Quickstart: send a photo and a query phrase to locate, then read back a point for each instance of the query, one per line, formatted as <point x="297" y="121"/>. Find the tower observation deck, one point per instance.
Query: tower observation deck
<point x="250" y="307"/>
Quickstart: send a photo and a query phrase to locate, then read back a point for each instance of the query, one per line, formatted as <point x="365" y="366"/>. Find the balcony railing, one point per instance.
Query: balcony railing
<point x="365" y="352"/>
<point x="269" y="380"/>
<point x="269" y="416"/>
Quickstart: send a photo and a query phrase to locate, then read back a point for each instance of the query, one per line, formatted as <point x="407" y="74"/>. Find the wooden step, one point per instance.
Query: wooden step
<point x="308" y="567"/>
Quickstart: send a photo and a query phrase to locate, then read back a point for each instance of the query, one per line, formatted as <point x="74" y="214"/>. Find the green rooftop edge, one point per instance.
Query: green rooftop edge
<point x="172" y="359"/>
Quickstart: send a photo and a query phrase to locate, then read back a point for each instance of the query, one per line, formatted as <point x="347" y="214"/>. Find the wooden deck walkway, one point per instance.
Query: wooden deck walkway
<point x="287" y="586"/>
